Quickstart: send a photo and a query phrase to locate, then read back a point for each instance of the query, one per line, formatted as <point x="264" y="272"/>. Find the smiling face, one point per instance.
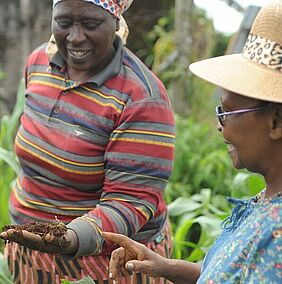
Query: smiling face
<point x="246" y="135"/>
<point x="84" y="35"/>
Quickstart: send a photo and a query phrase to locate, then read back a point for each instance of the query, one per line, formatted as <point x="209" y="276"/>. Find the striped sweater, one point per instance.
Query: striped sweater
<point x="95" y="154"/>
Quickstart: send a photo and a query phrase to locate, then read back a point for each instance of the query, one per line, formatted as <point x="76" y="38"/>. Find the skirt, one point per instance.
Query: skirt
<point x="33" y="267"/>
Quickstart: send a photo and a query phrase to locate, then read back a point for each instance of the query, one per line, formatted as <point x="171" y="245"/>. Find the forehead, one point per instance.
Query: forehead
<point x="231" y="98"/>
<point x="80" y="9"/>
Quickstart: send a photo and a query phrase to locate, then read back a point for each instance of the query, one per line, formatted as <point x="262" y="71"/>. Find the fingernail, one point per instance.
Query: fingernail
<point x="130" y="266"/>
<point x="111" y="275"/>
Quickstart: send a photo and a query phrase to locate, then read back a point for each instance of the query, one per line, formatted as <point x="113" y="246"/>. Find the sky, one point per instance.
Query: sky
<point x="226" y="19"/>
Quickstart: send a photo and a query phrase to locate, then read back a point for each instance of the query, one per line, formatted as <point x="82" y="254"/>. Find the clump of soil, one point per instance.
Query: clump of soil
<point x="57" y="229"/>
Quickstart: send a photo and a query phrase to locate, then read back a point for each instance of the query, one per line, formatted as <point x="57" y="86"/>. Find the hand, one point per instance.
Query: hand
<point x="134" y="257"/>
<point x="66" y="244"/>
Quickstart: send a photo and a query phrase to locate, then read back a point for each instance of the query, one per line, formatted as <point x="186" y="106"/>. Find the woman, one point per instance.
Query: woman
<point x="95" y="147"/>
<point x="249" y="250"/>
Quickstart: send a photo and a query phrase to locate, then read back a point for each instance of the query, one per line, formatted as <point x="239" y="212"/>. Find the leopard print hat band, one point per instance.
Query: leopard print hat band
<point x="263" y="51"/>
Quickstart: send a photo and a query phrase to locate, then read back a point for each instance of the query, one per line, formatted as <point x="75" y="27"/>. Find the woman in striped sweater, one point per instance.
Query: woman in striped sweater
<point x="95" y="146"/>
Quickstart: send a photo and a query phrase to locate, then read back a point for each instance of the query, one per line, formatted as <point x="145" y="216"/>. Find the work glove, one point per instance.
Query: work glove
<point x="53" y="238"/>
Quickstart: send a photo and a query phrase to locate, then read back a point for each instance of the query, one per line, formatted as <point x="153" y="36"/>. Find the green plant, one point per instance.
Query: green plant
<point x="196" y="224"/>
<point x="196" y="219"/>
<point x="5" y="275"/>
<point x="86" y="280"/>
<point x="8" y="161"/>
<point x="201" y="161"/>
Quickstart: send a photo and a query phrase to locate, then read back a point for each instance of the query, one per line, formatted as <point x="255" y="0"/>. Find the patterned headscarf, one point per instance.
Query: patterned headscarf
<point x="115" y="7"/>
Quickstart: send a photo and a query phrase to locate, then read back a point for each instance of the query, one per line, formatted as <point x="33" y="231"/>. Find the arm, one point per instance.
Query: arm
<point x="138" y="163"/>
<point x="181" y="272"/>
<point x="138" y="258"/>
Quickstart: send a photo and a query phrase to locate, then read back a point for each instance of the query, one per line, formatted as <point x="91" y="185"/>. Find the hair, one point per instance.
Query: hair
<point x="274" y="105"/>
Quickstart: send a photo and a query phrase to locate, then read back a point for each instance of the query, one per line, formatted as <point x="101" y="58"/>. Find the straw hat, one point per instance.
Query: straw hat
<point x="257" y="71"/>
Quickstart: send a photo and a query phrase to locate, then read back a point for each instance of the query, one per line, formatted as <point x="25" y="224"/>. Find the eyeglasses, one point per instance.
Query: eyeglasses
<point x="221" y="115"/>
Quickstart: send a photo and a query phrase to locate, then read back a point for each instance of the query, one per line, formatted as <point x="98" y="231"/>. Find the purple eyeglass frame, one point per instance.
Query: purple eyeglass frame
<point x="222" y="114"/>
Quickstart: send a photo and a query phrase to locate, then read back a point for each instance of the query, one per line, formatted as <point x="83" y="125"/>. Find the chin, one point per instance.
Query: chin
<point x="237" y="164"/>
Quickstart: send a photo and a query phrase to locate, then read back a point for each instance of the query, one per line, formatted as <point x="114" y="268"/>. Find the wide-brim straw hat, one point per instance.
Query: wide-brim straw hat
<point x="257" y="71"/>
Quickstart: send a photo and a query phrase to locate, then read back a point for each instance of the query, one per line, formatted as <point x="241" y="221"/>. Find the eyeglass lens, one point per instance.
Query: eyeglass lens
<point x="220" y="116"/>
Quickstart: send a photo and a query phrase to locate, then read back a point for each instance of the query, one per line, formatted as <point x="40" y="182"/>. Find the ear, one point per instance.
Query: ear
<point x="276" y="124"/>
<point x="117" y="24"/>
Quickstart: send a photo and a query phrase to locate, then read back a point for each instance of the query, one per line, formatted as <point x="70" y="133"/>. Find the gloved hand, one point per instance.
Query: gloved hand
<point x="50" y="243"/>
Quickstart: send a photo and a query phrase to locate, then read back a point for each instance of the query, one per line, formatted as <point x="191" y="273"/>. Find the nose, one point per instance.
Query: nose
<point x="219" y="127"/>
<point x="76" y="35"/>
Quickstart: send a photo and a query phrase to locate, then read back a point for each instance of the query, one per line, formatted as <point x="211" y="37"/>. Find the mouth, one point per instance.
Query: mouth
<point x="78" y="54"/>
<point x="230" y="146"/>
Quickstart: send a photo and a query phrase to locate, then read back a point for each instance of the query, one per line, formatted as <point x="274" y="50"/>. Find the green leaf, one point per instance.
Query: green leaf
<point x="86" y="280"/>
<point x="182" y="205"/>
<point x="210" y="228"/>
<point x="5" y="275"/>
<point x="256" y="184"/>
<point x="9" y="158"/>
<point x="240" y="179"/>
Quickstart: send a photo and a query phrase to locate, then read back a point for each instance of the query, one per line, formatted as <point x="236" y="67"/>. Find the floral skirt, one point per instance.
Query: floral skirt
<point x="33" y="267"/>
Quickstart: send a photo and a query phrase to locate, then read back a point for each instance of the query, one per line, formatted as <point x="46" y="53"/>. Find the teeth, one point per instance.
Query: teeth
<point x="78" y="53"/>
<point x="231" y="147"/>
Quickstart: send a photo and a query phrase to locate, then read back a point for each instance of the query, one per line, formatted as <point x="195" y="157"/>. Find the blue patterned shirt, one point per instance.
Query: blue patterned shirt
<point x="249" y="250"/>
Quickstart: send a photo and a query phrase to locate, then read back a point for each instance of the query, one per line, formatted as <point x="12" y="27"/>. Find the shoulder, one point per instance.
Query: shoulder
<point x="38" y="56"/>
<point x="270" y="220"/>
<point x="145" y="83"/>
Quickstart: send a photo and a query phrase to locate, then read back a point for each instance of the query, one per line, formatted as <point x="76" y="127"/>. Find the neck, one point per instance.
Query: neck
<point x="77" y="75"/>
<point x="82" y="75"/>
<point x="273" y="181"/>
<point x="271" y="170"/>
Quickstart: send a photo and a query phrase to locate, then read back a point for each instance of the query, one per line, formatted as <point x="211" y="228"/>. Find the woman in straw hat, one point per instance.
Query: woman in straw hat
<point x="95" y="146"/>
<point x="249" y="250"/>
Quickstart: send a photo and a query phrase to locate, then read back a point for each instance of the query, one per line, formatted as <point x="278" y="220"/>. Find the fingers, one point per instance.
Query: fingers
<point x="23" y="238"/>
<point x="66" y="244"/>
<point x="5" y="235"/>
<point x="33" y="241"/>
<point x="59" y="242"/>
<point x="121" y="240"/>
<point x="30" y="237"/>
<point x="117" y="262"/>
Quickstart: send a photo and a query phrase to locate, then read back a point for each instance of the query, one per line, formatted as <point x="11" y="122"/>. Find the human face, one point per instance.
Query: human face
<point x="84" y="35"/>
<point x="245" y="133"/>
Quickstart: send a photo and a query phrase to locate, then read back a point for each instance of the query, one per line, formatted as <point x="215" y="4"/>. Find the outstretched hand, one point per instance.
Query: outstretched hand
<point x="133" y="256"/>
<point x="65" y="244"/>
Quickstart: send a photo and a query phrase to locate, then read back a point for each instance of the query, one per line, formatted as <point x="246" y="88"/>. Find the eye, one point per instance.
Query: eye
<point x="90" y="25"/>
<point x="64" y="23"/>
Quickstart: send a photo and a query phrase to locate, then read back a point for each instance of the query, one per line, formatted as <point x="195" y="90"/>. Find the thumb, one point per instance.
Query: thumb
<point x="135" y="266"/>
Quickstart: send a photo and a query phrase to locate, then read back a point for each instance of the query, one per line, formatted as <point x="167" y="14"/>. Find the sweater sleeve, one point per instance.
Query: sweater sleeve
<point x="138" y="163"/>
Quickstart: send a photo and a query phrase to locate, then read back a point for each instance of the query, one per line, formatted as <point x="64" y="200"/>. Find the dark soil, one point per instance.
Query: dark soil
<point x="57" y="229"/>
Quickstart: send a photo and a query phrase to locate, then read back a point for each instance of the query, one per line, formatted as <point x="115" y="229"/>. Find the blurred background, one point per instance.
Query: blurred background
<point x="167" y="35"/>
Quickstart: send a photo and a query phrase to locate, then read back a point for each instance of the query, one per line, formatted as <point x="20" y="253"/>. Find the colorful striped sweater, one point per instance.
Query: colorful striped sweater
<point x="96" y="154"/>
